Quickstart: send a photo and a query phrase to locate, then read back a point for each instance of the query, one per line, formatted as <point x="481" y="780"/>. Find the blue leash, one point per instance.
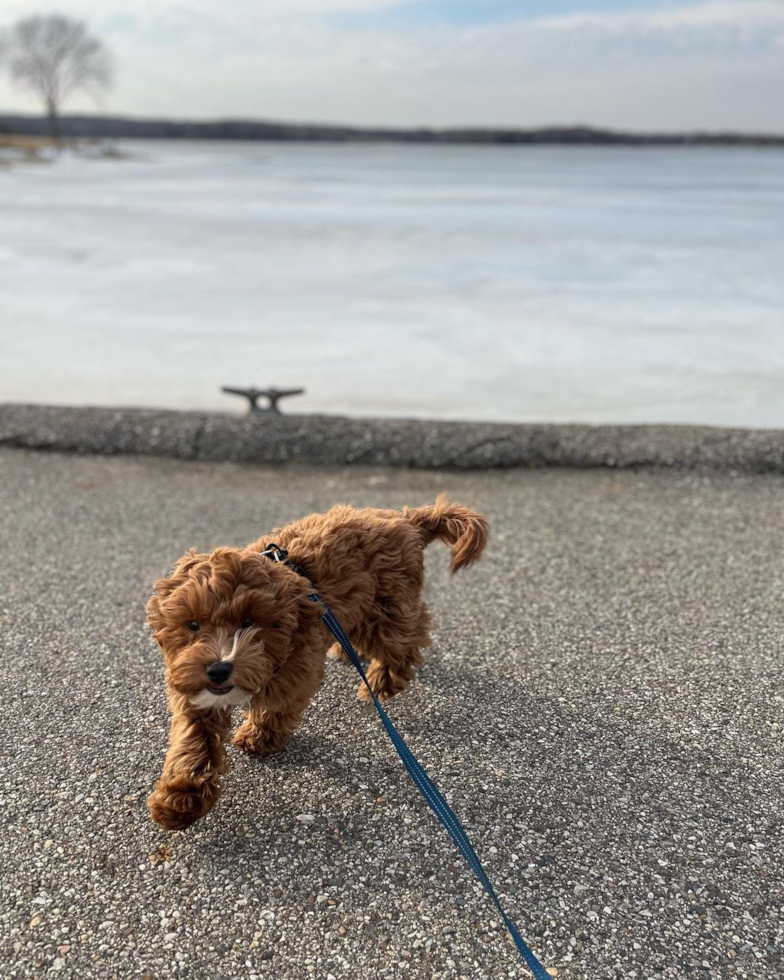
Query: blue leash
<point x="423" y="782"/>
<point x="435" y="800"/>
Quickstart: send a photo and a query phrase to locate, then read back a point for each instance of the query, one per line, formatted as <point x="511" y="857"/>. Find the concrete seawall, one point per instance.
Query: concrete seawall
<point x="335" y="440"/>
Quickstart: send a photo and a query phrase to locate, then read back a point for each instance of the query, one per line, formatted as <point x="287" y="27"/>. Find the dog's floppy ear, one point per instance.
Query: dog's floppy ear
<point x="304" y="638"/>
<point x="165" y="586"/>
<point x="289" y="592"/>
<point x="309" y="614"/>
<point x="283" y="592"/>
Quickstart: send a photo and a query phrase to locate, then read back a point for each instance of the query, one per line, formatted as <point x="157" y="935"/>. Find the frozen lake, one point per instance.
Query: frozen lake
<point x="594" y="285"/>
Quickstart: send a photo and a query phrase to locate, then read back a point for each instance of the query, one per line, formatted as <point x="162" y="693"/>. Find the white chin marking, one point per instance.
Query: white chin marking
<point x="206" y="700"/>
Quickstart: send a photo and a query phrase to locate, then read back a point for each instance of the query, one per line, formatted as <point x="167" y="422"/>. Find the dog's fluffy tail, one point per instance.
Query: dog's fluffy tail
<point x="454" y="524"/>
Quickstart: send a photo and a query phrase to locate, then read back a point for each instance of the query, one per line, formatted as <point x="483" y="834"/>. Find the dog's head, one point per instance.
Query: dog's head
<point x="226" y="622"/>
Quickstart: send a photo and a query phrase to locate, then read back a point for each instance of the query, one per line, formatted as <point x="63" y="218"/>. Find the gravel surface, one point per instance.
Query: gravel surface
<point x="422" y="444"/>
<point x="602" y="706"/>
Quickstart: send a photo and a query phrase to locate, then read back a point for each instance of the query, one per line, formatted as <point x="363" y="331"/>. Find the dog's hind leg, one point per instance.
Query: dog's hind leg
<point x="393" y="644"/>
<point x="336" y="652"/>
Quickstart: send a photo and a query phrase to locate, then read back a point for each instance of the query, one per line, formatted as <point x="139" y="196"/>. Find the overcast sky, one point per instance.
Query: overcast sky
<point x="644" y="64"/>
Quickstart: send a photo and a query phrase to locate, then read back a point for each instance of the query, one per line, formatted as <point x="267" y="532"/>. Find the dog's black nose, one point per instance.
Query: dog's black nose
<point x="220" y="671"/>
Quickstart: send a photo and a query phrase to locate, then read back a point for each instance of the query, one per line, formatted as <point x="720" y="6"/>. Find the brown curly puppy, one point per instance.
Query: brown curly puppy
<point x="236" y="627"/>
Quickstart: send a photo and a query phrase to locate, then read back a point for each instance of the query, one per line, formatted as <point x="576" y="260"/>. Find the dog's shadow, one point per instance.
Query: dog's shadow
<point x="447" y="706"/>
<point x="306" y="750"/>
<point x="357" y="795"/>
<point x="449" y="718"/>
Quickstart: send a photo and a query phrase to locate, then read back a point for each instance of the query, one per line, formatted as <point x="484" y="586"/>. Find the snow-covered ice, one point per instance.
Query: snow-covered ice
<point x="595" y="284"/>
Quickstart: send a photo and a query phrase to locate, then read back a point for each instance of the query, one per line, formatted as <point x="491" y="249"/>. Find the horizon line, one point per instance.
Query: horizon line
<point x="425" y="128"/>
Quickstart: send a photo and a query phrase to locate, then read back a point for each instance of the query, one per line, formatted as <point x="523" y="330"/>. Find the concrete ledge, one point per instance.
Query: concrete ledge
<point x="390" y="442"/>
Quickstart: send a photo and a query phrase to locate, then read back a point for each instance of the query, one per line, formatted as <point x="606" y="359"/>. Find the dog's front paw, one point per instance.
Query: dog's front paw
<point x="177" y="803"/>
<point x="259" y="741"/>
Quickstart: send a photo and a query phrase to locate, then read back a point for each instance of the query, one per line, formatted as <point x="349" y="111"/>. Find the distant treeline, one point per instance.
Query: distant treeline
<point x="116" y="127"/>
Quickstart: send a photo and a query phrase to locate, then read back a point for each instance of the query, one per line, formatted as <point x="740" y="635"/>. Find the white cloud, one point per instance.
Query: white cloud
<point x="712" y="64"/>
<point x="714" y="27"/>
<point x="706" y="14"/>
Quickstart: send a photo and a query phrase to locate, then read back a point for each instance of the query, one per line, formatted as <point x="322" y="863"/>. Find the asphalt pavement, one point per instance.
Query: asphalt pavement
<point x="602" y="706"/>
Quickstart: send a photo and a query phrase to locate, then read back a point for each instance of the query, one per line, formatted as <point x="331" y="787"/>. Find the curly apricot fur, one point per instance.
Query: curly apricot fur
<point x="367" y="565"/>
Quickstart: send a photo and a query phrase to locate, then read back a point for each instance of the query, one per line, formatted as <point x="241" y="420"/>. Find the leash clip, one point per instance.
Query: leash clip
<point x="275" y="552"/>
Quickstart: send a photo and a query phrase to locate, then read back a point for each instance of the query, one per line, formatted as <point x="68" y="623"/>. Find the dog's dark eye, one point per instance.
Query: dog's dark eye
<point x="247" y="622"/>
<point x="192" y="625"/>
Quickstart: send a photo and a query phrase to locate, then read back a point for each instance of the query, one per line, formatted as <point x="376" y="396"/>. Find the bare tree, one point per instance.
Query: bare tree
<point x="55" y="57"/>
